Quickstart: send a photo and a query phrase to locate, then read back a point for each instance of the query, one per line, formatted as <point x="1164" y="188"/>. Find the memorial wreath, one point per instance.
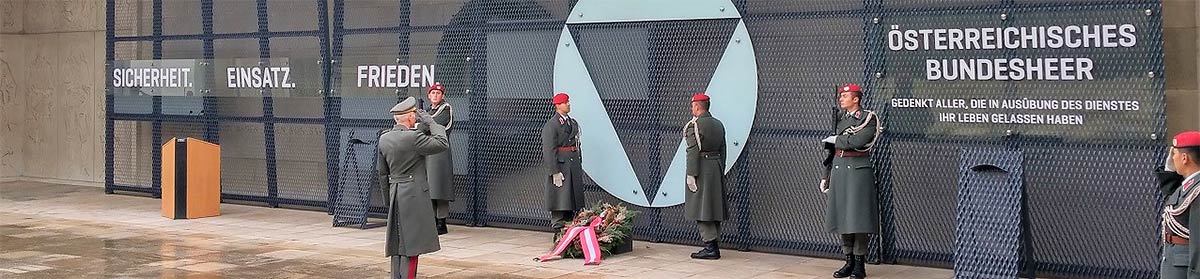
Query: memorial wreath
<point x="614" y="229"/>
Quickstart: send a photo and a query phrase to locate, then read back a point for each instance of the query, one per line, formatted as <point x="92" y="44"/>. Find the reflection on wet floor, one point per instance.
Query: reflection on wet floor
<point x="34" y="251"/>
<point x="61" y="231"/>
<point x="41" y="250"/>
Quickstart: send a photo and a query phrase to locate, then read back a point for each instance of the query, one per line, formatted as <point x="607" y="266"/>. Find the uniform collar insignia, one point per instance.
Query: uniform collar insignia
<point x="856" y="114"/>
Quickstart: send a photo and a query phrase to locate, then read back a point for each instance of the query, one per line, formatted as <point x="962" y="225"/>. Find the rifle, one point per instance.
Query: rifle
<point x="828" y="163"/>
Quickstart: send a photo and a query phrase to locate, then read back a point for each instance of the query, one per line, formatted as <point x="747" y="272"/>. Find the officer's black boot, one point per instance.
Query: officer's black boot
<point x="846" y="269"/>
<point x="711" y="251"/>
<point x="860" y="270"/>
<point x="441" y="226"/>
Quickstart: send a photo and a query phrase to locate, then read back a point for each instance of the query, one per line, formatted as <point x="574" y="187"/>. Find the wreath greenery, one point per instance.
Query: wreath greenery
<point x="613" y="231"/>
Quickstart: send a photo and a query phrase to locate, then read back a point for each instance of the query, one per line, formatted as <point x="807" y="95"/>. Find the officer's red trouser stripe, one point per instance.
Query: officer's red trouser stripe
<point x="587" y="240"/>
<point x="412" y="267"/>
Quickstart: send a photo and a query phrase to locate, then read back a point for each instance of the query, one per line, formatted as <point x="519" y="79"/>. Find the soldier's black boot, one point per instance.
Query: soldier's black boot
<point x="860" y="270"/>
<point x="441" y="226"/>
<point x="711" y="251"/>
<point x="846" y="269"/>
<point x="696" y="255"/>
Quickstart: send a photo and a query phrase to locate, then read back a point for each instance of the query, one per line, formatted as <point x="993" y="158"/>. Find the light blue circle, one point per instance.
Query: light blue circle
<point x="733" y="88"/>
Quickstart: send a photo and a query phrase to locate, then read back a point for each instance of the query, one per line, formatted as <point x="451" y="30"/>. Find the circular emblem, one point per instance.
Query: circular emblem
<point x="733" y="88"/>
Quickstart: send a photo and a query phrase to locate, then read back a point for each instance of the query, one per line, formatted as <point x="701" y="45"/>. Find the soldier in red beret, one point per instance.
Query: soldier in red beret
<point x="1179" y="259"/>
<point x="852" y="210"/>
<point x="563" y="163"/>
<point x="704" y="200"/>
<point x="440" y="166"/>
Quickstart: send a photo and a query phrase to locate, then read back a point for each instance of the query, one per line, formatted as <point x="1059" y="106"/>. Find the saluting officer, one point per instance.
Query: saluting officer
<point x="1179" y="257"/>
<point x="852" y="210"/>
<point x="705" y="198"/>
<point x="563" y="163"/>
<point x="401" y="167"/>
<point x="441" y="165"/>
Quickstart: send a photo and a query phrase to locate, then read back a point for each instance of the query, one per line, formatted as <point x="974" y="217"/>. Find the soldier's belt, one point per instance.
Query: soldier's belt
<point x="844" y="153"/>
<point x="400" y="178"/>
<point x="1177" y="240"/>
<point x="568" y="148"/>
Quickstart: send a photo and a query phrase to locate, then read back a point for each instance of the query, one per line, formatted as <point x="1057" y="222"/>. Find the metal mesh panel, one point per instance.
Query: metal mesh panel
<point x="1121" y="72"/>
<point x="243" y="161"/>
<point x="292" y="15"/>
<point x="1066" y="195"/>
<point x="514" y="55"/>
<point x="913" y="84"/>
<point x="515" y="104"/>
<point x="1059" y="157"/>
<point x="989" y="233"/>
<point x="802" y="225"/>
<point x="926" y="5"/>
<point x="131" y="153"/>
<point x="182" y="130"/>
<point x="229" y="101"/>
<point x="435" y="13"/>
<point x="497" y="60"/>
<point x="182" y="49"/>
<point x="234" y="16"/>
<point x="800" y="59"/>
<point x="301" y="161"/>
<point x="924" y="190"/>
<point x="513" y="188"/>
<point x="372" y="13"/>
<point x="301" y="56"/>
<point x="131" y="50"/>
<point x="801" y="55"/>
<point x="133" y="17"/>
<point x="785" y="9"/>
<point x="180" y="17"/>
<point x="645" y="86"/>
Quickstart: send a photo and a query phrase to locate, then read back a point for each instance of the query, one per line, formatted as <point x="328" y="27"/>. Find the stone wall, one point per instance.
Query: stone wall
<point x="1181" y="52"/>
<point x="51" y="90"/>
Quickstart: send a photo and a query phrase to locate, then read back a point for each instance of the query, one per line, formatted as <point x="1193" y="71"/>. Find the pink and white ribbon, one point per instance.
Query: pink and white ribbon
<point x="587" y="242"/>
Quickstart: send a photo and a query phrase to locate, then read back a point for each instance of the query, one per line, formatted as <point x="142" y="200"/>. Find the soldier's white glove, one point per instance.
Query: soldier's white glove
<point x="824" y="186"/>
<point x="830" y="139"/>
<point x="691" y="184"/>
<point x="1169" y="165"/>
<point x="557" y="178"/>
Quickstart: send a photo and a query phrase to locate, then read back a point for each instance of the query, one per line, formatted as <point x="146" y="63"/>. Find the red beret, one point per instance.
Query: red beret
<point x="699" y="97"/>
<point x="1187" y="139"/>
<point x="849" y="88"/>
<point x="438" y="86"/>
<point x="561" y="98"/>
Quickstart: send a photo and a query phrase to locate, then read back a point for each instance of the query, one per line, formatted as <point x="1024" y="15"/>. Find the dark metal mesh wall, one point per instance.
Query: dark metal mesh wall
<point x="1089" y="190"/>
<point x="272" y="140"/>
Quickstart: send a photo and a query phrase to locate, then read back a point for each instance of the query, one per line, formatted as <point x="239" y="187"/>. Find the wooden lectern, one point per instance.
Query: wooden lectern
<point x="191" y="179"/>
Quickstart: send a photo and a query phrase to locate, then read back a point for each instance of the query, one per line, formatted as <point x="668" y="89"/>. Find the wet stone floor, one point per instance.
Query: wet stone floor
<point x="62" y="231"/>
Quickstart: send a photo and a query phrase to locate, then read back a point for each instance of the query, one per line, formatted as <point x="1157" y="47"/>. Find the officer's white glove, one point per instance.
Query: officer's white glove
<point x="424" y="129"/>
<point x="424" y="117"/>
<point x="558" y="179"/>
<point x="824" y="186"/>
<point x="691" y="184"/>
<point x="830" y="139"/>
